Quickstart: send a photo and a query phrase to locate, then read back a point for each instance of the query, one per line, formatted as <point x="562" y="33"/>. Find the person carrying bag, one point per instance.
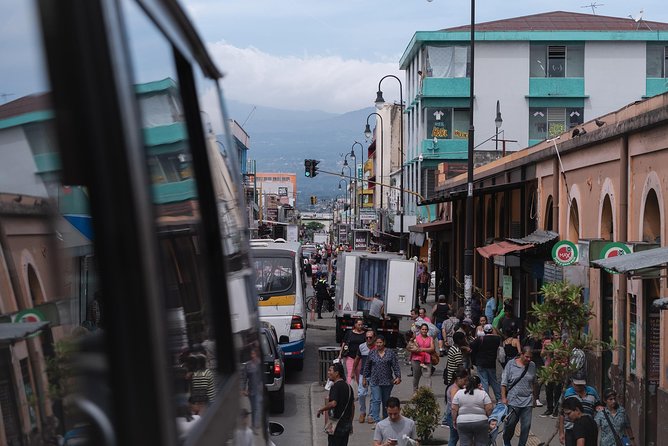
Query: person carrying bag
<point x="340" y="424"/>
<point x="612" y="421"/>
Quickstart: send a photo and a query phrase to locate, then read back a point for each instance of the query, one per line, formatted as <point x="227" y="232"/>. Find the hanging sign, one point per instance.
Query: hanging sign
<point x="614" y="249"/>
<point x="565" y="253"/>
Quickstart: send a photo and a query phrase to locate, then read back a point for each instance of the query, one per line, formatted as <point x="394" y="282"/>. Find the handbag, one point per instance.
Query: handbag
<point x="501" y="354"/>
<point x="435" y="359"/>
<point x="330" y="427"/>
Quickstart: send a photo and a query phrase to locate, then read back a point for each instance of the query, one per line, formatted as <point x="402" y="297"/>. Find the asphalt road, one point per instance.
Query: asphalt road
<point x="296" y="419"/>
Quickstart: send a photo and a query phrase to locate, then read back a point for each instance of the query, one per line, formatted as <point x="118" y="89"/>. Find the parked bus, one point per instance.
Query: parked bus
<point x="281" y="286"/>
<point x="128" y="311"/>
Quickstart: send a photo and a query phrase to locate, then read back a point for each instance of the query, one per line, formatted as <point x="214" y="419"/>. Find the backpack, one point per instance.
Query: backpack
<point x="450" y="326"/>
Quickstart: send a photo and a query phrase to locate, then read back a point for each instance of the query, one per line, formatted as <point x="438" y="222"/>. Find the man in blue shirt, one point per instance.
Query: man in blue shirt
<point x="490" y="306"/>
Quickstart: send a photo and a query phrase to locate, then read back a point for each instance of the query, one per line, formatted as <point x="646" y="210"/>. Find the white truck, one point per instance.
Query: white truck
<point x="388" y="274"/>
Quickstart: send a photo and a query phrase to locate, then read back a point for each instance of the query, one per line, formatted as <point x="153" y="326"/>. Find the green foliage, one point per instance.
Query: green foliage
<point x="562" y="311"/>
<point x="59" y="368"/>
<point x="314" y="226"/>
<point x="424" y="410"/>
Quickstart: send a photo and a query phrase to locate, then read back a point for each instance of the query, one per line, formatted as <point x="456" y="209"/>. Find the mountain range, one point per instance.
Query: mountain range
<point x="281" y="139"/>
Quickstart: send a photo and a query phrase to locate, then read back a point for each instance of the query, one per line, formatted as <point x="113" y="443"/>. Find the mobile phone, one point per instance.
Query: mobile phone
<point x="393" y="440"/>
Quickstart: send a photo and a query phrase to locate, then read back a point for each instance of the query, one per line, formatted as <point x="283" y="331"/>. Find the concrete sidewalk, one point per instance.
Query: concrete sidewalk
<point x="541" y="428"/>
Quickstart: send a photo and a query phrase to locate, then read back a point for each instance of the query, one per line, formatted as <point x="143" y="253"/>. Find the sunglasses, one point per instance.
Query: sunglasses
<point x="369" y="337"/>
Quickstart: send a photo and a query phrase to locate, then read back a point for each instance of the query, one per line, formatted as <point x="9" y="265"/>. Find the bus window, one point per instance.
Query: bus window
<point x="50" y="303"/>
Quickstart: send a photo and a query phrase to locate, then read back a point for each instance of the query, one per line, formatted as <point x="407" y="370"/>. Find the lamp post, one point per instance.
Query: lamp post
<point x="498" y="122"/>
<point x="346" y="196"/>
<point x="352" y="155"/>
<point x="367" y="134"/>
<point x="350" y="183"/>
<point x="379" y="104"/>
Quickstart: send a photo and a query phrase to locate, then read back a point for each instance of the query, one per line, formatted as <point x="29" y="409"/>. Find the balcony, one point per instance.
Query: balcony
<point x="439" y="87"/>
<point x="557" y="87"/>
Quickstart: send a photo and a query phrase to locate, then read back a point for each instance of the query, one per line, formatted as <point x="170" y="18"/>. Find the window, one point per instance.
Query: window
<point x="552" y="121"/>
<point x="274" y="275"/>
<point x="556" y="61"/>
<point x="657" y="61"/>
<point x="447" y="61"/>
<point x="447" y="123"/>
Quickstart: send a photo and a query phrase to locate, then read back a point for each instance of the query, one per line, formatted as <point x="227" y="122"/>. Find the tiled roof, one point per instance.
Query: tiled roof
<point x="25" y="104"/>
<point x="565" y="21"/>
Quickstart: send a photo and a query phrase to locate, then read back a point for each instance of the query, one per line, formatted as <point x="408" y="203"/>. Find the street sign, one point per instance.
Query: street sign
<point x="565" y="253"/>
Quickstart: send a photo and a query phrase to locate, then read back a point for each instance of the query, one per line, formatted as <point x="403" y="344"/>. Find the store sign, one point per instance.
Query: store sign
<point x="29" y="315"/>
<point x="565" y="253"/>
<point x="614" y="249"/>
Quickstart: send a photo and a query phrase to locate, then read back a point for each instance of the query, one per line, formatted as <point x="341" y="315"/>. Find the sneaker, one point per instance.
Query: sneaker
<point x="555" y="414"/>
<point x="547" y="413"/>
<point x="539" y="404"/>
<point x="370" y="420"/>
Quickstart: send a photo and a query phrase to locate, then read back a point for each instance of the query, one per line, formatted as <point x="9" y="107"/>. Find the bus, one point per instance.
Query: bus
<point x="128" y="310"/>
<point x="281" y="287"/>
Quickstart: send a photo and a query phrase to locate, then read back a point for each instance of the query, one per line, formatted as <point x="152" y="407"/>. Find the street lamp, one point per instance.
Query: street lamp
<point x="367" y="134"/>
<point x="470" y="223"/>
<point x="379" y="105"/>
<point x="498" y="122"/>
<point x="352" y="155"/>
<point x="346" y="196"/>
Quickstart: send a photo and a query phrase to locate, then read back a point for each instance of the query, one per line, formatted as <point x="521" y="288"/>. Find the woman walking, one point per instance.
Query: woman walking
<point x="511" y="346"/>
<point x="421" y="357"/>
<point x="470" y="408"/>
<point x="458" y="381"/>
<point x="381" y="372"/>
<point x="350" y="347"/>
<point x="612" y="420"/>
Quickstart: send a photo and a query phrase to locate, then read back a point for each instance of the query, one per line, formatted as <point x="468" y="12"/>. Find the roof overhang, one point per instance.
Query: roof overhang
<point x="501" y="249"/>
<point x="434" y="226"/>
<point x="12" y="332"/>
<point x="629" y="263"/>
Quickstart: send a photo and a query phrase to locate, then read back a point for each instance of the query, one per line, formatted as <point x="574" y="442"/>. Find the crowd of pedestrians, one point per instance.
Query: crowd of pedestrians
<point x="472" y="350"/>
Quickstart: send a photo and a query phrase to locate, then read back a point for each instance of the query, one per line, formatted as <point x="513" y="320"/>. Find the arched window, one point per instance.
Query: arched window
<point x="651" y="226"/>
<point x="607" y="227"/>
<point x="35" y="288"/>
<point x="547" y="224"/>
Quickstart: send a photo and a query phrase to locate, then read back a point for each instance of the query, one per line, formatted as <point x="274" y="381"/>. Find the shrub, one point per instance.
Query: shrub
<point x="424" y="410"/>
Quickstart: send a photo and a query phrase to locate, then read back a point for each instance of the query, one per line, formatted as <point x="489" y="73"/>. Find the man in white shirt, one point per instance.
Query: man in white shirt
<point x="391" y="431"/>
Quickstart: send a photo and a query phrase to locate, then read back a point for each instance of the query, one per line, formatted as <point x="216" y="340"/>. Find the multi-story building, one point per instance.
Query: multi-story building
<point x="281" y="185"/>
<point x="549" y="72"/>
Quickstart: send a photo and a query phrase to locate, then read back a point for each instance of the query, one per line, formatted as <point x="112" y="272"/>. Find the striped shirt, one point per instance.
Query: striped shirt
<point x="455" y="359"/>
<point x="589" y="401"/>
<point x="203" y="384"/>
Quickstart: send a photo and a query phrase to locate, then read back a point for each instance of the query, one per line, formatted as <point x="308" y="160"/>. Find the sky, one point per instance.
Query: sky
<point x="330" y="55"/>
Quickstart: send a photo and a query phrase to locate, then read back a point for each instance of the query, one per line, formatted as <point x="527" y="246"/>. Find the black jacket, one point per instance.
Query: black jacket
<point x="484" y="350"/>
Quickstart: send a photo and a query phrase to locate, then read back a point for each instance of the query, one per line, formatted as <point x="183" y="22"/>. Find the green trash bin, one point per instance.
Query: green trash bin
<point x="326" y="355"/>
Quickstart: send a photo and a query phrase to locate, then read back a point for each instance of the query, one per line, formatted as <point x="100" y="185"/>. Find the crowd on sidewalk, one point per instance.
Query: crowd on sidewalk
<point x="479" y="404"/>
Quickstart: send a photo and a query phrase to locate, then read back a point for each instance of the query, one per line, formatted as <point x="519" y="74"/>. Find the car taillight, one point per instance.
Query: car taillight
<point x="277" y="368"/>
<point x="297" y="323"/>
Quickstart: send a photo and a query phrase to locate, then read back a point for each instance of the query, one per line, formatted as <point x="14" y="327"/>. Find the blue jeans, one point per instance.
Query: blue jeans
<point x="487" y="378"/>
<point x="454" y="435"/>
<point x="362" y="392"/>
<point x="379" y="395"/>
<point x="523" y="415"/>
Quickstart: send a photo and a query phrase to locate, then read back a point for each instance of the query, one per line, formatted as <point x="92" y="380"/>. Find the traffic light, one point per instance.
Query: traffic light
<point x="307" y="168"/>
<point x="314" y="199"/>
<point x="314" y="168"/>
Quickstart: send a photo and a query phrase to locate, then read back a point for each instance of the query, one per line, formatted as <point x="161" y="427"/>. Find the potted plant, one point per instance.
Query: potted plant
<point x="424" y="410"/>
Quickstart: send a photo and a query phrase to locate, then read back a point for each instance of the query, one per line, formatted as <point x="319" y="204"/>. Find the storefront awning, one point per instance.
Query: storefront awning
<point x="501" y="248"/>
<point x="12" y="332"/>
<point x="635" y="261"/>
<point x="536" y="238"/>
<point x="434" y="226"/>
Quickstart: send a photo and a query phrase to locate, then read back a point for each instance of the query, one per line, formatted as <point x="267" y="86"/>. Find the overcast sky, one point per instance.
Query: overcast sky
<point x="330" y="55"/>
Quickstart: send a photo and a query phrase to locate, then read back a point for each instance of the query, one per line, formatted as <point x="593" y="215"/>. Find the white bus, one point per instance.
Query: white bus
<point x="281" y="289"/>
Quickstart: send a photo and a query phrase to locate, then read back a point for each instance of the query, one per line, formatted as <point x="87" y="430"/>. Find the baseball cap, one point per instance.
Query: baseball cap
<point x="488" y="328"/>
<point x="467" y="321"/>
<point x="579" y="381"/>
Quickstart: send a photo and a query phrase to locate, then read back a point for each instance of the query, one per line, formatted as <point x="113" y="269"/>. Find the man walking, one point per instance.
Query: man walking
<point x="517" y="393"/>
<point x="585" y="430"/>
<point x="394" y="427"/>
<point x="341" y="399"/>
<point x="483" y="351"/>
<point x="588" y="398"/>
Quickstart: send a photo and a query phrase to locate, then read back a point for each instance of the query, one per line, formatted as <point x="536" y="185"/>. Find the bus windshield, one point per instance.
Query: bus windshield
<point x="274" y="275"/>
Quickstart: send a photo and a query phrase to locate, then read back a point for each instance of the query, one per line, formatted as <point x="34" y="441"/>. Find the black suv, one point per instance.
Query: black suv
<point x="273" y="367"/>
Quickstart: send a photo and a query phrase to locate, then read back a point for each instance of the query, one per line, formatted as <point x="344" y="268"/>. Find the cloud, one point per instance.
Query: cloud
<point x="328" y="83"/>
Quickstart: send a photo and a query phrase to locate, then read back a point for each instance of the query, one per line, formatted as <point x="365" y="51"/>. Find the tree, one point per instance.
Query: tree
<point x="563" y="311"/>
<point x="314" y="226"/>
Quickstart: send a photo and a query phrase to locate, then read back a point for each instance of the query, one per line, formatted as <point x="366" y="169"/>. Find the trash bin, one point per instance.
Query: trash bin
<point x="325" y="357"/>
